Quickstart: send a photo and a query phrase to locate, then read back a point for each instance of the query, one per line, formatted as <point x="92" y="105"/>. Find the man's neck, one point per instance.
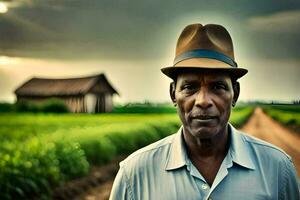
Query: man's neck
<point x="211" y="148"/>
<point x="207" y="154"/>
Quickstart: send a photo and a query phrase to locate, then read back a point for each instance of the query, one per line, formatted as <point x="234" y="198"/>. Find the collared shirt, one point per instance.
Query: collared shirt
<point x="251" y="170"/>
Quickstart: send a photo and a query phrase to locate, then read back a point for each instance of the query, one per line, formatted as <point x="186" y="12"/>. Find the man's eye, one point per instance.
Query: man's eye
<point x="220" y="87"/>
<point x="188" y="87"/>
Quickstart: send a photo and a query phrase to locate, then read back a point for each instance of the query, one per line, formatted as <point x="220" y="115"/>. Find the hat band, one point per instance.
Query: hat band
<point x="203" y="53"/>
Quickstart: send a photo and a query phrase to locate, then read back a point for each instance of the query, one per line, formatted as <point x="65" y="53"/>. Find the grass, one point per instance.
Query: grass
<point x="21" y="126"/>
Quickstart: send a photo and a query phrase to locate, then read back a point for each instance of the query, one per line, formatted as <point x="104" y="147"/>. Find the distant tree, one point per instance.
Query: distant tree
<point x="49" y="106"/>
<point x="54" y="106"/>
<point x="6" y="107"/>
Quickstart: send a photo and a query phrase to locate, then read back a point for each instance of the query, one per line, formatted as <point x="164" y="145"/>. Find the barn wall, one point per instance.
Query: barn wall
<point x="104" y="93"/>
<point x="75" y="104"/>
<point x="90" y="102"/>
<point x="98" y="103"/>
<point x="108" y="103"/>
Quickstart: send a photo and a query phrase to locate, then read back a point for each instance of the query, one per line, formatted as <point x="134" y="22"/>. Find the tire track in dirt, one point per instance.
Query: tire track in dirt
<point x="100" y="192"/>
<point x="94" y="186"/>
<point x="264" y="127"/>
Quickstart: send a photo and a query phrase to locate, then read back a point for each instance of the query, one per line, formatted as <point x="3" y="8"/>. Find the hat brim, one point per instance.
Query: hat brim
<point x="173" y="71"/>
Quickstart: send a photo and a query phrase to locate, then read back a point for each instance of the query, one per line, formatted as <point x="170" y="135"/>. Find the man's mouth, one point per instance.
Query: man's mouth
<point x="204" y="118"/>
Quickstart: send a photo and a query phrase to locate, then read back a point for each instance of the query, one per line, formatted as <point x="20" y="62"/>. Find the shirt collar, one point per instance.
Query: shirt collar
<point x="177" y="156"/>
<point x="238" y="151"/>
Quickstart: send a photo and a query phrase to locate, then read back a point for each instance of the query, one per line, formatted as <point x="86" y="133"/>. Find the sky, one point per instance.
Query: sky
<point x="131" y="40"/>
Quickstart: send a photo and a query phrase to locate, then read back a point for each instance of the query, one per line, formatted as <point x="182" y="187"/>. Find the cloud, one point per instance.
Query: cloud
<point x="280" y="22"/>
<point x="275" y="35"/>
<point x="131" y="30"/>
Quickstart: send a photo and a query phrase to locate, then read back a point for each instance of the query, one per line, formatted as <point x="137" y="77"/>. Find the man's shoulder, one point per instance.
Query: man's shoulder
<point x="155" y="151"/>
<point x="264" y="148"/>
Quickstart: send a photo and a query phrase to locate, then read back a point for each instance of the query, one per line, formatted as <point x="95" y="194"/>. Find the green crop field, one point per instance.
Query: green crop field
<point x="286" y="114"/>
<point x="240" y="115"/>
<point x="41" y="151"/>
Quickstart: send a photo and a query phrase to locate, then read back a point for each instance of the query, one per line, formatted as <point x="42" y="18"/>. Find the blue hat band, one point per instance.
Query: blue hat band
<point x="203" y="53"/>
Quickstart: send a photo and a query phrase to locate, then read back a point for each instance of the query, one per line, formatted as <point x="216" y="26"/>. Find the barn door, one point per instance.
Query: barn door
<point x="100" y="105"/>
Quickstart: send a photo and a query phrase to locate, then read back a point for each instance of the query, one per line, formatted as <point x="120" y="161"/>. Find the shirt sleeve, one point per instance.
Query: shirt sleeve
<point x="121" y="189"/>
<point x="290" y="189"/>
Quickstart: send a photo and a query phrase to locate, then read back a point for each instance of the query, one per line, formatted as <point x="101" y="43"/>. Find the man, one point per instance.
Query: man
<point x="207" y="158"/>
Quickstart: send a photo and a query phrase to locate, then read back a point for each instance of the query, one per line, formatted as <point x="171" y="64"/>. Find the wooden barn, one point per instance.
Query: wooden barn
<point x="91" y="94"/>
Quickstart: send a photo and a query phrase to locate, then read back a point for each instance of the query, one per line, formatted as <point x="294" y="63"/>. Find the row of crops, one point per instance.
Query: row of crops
<point x="288" y="115"/>
<point x="41" y="151"/>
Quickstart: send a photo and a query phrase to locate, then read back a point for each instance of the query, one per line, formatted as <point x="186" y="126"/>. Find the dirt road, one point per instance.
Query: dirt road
<point x="100" y="192"/>
<point x="264" y="127"/>
<point x="259" y="125"/>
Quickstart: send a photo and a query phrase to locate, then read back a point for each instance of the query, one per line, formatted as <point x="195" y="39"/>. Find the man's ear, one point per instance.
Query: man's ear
<point x="236" y="93"/>
<point x="172" y="93"/>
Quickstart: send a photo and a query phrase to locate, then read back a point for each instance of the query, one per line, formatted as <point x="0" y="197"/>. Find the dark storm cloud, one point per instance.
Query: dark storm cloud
<point x="277" y="34"/>
<point x="123" y="29"/>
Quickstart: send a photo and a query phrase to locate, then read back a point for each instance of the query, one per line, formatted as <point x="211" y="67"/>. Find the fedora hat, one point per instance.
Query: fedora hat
<point x="206" y="48"/>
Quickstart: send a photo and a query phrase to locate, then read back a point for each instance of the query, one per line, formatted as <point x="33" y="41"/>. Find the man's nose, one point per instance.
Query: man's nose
<point x="203" y="99"/>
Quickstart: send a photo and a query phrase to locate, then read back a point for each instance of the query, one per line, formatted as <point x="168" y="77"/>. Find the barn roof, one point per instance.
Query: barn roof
<point x="64" y="87"/>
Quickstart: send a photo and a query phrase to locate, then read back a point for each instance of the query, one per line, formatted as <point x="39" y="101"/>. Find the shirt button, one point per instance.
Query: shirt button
<point x="204" y="186"/>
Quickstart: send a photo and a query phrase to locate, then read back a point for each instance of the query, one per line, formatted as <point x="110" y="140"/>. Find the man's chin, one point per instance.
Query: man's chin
<point x="204" y="132"/>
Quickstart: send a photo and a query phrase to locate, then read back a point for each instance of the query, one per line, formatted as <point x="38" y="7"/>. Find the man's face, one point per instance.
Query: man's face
<point x="204" y="102"/>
